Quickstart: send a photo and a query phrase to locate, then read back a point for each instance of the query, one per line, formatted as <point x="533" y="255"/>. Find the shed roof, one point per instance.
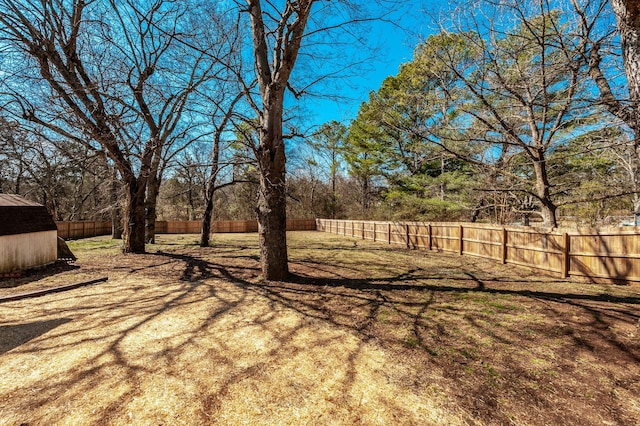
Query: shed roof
<point x="12" y="200"/>
<point x="21" y="216"/>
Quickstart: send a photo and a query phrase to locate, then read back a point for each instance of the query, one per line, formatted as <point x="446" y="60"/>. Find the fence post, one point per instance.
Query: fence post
<point x="430" y="236"/>
<point x="406" y="231"/>
<point x="460" y="244"/>
<point x="504" y="245"/>
<point x="389" y="229"/>
<point x="374" y="232"/>
<point x="566" y="259"/>
<point x="363" y="230"/>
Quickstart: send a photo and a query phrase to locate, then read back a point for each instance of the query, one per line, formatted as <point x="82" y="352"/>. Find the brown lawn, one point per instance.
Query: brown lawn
<point x="362" y="334"/>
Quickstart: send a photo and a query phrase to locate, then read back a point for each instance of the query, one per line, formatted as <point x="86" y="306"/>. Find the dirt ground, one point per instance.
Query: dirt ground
<point x="363" y="333"/>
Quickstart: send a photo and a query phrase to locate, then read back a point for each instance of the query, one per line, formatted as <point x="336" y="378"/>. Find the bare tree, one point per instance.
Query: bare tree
<point x="104" y="75"/>
<point x="226" y="111"/>
<point x="328" y="142"/>
<point x="625" y="105"/>
<point x="276" y="43"/>
<point x="281" y="33"/>
<point x="511" y="88"/>
<point x="69" y="182"/>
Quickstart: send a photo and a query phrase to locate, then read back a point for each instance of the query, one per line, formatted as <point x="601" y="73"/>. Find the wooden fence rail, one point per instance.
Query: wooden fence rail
<point x="74" y="230"/>
<point x="595" y="254"/>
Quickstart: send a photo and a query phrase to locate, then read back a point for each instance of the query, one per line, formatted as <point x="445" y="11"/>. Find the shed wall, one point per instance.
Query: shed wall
<point x="23" y="251"/>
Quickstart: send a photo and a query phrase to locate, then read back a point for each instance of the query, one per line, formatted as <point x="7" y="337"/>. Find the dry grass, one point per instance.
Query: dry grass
<point x="362" y="334"/>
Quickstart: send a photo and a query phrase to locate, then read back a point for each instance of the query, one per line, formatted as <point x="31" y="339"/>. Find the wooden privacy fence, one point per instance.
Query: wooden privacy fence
<point x="228" y="226"/>
<point x="73" y="230"/>
<point x="195" y="226"/>
<point x="595" y="254"/>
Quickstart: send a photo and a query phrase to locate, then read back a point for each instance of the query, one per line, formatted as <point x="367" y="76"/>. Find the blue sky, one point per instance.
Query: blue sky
<point x="396" y="47"/>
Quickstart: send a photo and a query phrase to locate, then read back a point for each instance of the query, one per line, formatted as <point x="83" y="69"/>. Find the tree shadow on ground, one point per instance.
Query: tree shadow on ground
<point x="470" y="327"/>
<point x="389" y="284"/>
<point x="31" y="275"/>
<point x="536" y="346"/>
<point x="199" y="332"/>
<point x="202" y="325"/>
<point x="12" y="336"/>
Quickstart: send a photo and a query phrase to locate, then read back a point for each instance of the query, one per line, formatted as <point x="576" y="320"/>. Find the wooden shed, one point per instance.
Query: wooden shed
<point x="28" y="235"/>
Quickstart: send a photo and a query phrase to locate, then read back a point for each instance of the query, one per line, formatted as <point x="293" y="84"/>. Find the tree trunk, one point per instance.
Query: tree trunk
<point x="313" y="200"/>
<point x="273" y="79"/>
<point x="547" y="206"/>
<point x="18" y="187"/>
<point x="272" y="228"/>
<point x="365" y="197"/>
<point x="134" y="216"/>
<point x="476" y="211"/>
<point x="206" y="220"/>
<point x="116" y="213"/>
<point x="151" y="201"/>
<point x="210" y="191"/>
<point x="441" y="173"/>
<point x="628" y="20"/>
<point x="272" y="208"/>
<point x="191" y="202"/>
<point x="116" y="223"/>
<point x="334" y="198"/>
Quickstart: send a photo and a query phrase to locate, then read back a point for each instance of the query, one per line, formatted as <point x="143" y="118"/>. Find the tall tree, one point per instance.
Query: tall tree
<point x="222" y="117"/>
<point x="518" y="93"/>
<point x="103" y="75"/>
<point x="281" y="32"/>
<point x="277" y="37"/>
<point x="625" y="105"/>
<point x="366" y="153"/>
<point x="328" y="142"/>
<point x="628" y="21"/>
<point x="424" y="180"/>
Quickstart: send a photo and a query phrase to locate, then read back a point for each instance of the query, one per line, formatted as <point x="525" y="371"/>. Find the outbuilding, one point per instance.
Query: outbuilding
<point x="28" y="235"/>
